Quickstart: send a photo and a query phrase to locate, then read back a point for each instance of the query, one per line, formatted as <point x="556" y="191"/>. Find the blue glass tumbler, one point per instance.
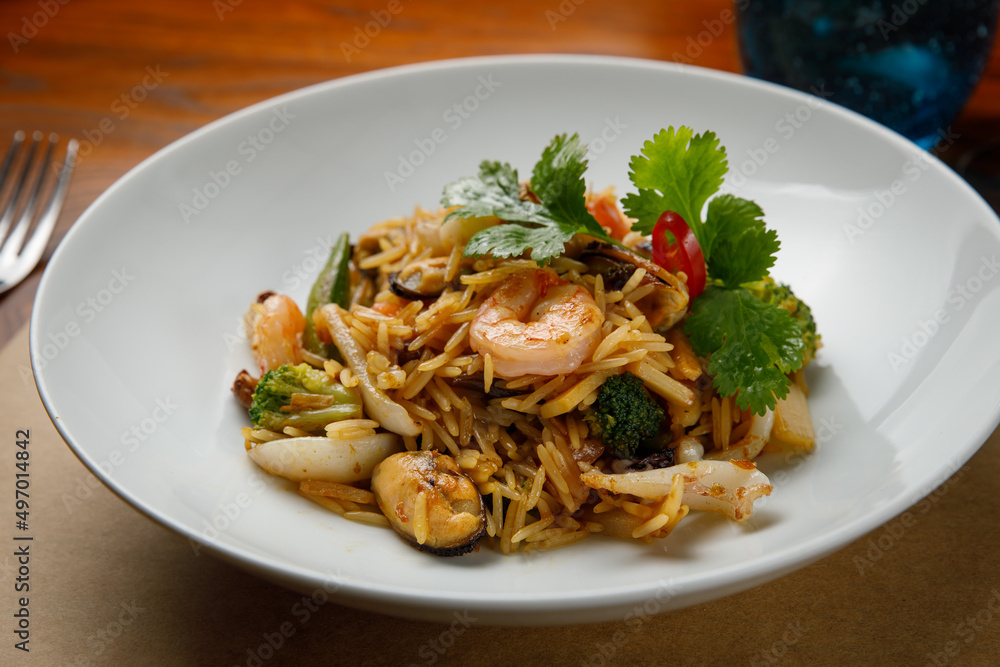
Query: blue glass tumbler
<point x="908" y="64"/>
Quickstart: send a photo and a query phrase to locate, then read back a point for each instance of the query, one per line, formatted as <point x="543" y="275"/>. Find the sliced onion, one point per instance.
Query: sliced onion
<point x="389" y="414"/>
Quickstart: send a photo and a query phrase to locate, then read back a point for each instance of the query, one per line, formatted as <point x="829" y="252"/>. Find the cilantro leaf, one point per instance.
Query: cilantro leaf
<point x="512" y="240"/>
<point x="752" y="345"/>
<point x="557" y="181"/>
<point x="740" y="249"/>
<point x="544" y="227"/>
<point x="677" y="171"/>
<point x="496" y="192"/>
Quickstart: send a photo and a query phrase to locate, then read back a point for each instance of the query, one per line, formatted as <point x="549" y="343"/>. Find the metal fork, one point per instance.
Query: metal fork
<point x="19" y="256"/>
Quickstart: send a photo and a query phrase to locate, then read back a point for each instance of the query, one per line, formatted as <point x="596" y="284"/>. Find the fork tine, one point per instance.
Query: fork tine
<point x="12" y="246"/>
<point x="15" y="193"/>
<point x="17" y="262"/>
<point x="8" y="159"/>
<point x="35" y="246"/>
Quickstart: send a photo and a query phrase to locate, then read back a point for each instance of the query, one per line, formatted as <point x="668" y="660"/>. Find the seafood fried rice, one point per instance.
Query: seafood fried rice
<point x="465" y="394"/>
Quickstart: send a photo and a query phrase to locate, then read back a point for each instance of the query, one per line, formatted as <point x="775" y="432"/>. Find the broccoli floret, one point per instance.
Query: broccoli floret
<point x="303" y="397"/>
<point x="625" y="416"/>
<point x="780" y="294"/>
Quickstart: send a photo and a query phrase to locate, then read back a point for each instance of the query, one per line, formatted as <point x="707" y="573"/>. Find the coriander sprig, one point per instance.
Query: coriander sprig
<point x="752" y="345"/>
<point x="545" y="227"/>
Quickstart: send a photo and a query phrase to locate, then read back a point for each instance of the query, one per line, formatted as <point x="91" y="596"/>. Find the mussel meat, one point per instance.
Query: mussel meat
<point x="430" y="502"/>
<point x="425" y="279"/>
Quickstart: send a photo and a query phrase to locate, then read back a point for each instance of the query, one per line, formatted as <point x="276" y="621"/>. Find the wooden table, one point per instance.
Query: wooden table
<point x="128" y="78"/>
<point x="76" y="72"/>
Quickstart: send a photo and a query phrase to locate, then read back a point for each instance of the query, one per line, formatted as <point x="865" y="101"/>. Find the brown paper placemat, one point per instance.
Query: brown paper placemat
<point x="107" y="586"/>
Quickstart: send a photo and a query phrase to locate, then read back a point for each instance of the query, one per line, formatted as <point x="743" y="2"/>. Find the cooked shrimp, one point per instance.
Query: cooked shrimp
<point x="275" y="325"/>
<point x="536" y="323"/>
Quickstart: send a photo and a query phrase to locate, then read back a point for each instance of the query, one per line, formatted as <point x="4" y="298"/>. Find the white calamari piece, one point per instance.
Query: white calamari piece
<point x="325" y="459"/>
<point x="727" y="487"/>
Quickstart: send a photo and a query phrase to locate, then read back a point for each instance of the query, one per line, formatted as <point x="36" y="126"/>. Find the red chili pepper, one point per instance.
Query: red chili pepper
<point x="682" y="254"/>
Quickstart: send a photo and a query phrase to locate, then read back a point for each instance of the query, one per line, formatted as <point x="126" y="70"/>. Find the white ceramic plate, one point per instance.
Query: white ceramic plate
<point x="136" y="338"/>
